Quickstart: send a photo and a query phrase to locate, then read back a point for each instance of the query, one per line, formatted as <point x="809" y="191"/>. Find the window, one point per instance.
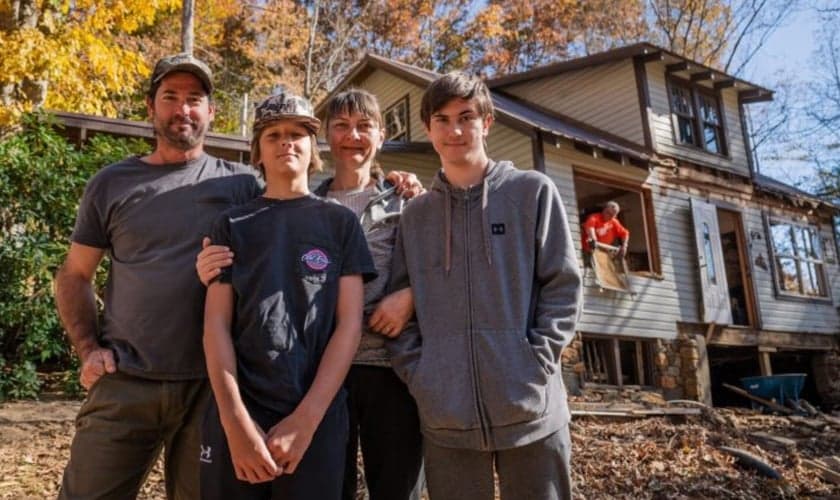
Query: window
<point x="698" y="117"/>
<point x="711" y="272"/>
<point x="636" y="215"/>
<point x="396" y="121"/>
<point x="711" y="124"/>
<point x="611" y="361"/>
<point x="798" y="260"/>
<point x="682" y="107"/>
<point x="836" y="226"/>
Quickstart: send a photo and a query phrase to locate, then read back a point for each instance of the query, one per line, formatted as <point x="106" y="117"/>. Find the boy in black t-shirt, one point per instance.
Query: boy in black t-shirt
<point x="282" y="325"/>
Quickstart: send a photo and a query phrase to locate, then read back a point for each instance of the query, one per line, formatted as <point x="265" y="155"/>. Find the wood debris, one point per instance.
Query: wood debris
<point x="719" y="453"/>
<point x="635" y="456"/>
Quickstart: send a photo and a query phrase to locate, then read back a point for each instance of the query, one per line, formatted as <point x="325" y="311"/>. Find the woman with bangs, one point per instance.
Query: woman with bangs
<point x="383" y="415"/>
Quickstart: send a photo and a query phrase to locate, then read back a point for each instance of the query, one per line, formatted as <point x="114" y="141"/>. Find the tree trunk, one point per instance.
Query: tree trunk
<point x="313" y="25"/>
<point x="187" y="21"/>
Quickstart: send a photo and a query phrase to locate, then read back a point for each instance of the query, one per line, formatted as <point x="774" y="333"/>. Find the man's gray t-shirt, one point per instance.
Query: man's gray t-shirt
<point x="151" y="219"/>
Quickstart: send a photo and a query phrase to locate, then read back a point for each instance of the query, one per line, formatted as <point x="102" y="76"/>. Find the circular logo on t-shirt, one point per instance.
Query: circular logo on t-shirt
<point x="316" y="259"/>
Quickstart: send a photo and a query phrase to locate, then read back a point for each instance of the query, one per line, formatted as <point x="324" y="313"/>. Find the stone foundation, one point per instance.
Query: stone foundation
<point x="573" y="367"/>
<point x="680" y="367"/>
<point x="826" y="370"/>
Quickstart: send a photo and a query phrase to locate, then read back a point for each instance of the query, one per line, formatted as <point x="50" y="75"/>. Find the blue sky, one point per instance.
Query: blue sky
<point x="788" y="51"/>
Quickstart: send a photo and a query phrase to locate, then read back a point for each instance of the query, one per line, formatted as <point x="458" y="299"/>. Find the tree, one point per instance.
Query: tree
<point x="725" y="34"/>
<point x="64" y="54"/>
<point x="824" y="119"/>
<point x="516" y="35"/>
<point x="429" y="34"/>
<point x="42" y="176"/>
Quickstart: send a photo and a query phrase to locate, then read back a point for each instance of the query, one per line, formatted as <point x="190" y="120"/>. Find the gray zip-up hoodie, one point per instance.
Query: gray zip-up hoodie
<point x="497" y="290"/>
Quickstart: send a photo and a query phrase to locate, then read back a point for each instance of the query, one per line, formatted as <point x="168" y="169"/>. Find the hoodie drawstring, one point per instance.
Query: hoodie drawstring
<point x="440" y="183"/>
<point x="447" y="229"/>
<point x="488" y="249"/>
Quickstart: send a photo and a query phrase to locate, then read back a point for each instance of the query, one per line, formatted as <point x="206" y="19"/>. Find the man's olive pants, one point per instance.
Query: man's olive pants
<point x="120" y="430"/>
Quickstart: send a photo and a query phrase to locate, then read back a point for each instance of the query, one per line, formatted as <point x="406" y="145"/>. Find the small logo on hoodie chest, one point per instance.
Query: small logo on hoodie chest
<point x="497" y="228"/>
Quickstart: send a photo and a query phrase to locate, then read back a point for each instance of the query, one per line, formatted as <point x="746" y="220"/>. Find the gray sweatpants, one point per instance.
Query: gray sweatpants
<point x="538" y="471"/>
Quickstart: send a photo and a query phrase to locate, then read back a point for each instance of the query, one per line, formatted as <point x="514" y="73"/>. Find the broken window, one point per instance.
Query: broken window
<point x="396" y="121"/>
<point x="635" y="214"/>
<point x="798" y="260"/>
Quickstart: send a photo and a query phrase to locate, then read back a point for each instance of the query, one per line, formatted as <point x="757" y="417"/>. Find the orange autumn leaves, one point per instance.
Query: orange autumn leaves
<point x="93" y="56"/>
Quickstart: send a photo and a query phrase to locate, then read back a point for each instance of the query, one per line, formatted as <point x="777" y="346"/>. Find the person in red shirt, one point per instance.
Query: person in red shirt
<point x="604" y="227"/>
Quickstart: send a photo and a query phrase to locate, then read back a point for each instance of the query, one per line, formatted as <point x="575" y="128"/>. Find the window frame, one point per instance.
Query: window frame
<point x="822" y="274"/>
<point x="601" y="356"/>
<point x="406" y="133"/>
<point x="698" y="123"/>
<point x="646" y="197"/>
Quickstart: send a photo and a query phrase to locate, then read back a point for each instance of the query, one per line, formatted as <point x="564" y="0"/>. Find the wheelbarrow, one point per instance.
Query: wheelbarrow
<point x="777" y="388"/>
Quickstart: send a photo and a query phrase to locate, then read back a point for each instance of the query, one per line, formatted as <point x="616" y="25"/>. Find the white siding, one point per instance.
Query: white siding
<point x="663" y="132"/>
<point x="425" y="166"/>
<point x="659" y="303"/>
<point x="504" y="143"/>
<point x="790" y="315"/>
<point x="390" y="89"/>
<point x="603" y="96"/>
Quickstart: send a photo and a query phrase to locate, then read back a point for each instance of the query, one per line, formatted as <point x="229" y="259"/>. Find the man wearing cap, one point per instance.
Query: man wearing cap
<point x="143" y="365"/>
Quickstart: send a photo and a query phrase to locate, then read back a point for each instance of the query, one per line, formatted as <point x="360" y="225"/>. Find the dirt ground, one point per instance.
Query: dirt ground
<point x="653" y="457"/>
<point x="34" y="447"/>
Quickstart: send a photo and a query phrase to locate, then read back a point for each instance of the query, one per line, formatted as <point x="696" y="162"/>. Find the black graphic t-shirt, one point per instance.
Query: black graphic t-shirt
<point x="290" y="255"/>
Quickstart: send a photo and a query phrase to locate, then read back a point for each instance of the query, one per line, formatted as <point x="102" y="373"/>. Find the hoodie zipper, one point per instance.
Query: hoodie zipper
<point x="485" y="440"/>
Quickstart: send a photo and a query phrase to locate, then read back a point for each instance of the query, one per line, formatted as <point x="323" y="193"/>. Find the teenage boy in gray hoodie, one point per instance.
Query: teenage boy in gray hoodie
<point x="491" y="262"/>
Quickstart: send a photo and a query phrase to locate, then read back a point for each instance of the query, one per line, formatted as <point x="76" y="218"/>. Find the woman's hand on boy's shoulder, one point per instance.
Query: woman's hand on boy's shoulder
<point x="288" y="440"/>
<point x="407" y="184"/>
<point x="251" y="458"/>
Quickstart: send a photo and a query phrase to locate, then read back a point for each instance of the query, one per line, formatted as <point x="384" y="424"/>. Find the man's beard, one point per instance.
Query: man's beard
<point x="182" y="141"/>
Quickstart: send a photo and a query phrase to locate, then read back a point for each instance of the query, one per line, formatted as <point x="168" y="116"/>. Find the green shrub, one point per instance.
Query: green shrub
<point x="42" y="177"/>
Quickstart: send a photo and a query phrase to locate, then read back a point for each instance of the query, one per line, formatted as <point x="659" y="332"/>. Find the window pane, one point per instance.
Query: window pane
<point x="816" y="247"/>
<point x="686" y="130"/>
<point x="396" y="122"/>
<point x="710" y="139"/>
<point x="709" y="110"/>
<point x="781" y="239"/>
<point x="836" y="220"/>
<point x="812" y="285"/>
<point x="800" y="237"/>
<point x="710" y="256"/>
<point x="788" y="276"/>
<point x="681" y="100"/>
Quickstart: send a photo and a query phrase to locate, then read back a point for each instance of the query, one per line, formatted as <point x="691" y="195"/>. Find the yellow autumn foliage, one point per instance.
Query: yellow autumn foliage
<point x="75" y="49"/>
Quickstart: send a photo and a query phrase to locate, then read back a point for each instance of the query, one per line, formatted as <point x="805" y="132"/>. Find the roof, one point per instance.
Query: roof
<point x="213" y="140"/>
<point x="132" y="128"/>
<point x="750" y="92"/>
<point x="771" y="185"/>
<point x="509" y="110"/>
